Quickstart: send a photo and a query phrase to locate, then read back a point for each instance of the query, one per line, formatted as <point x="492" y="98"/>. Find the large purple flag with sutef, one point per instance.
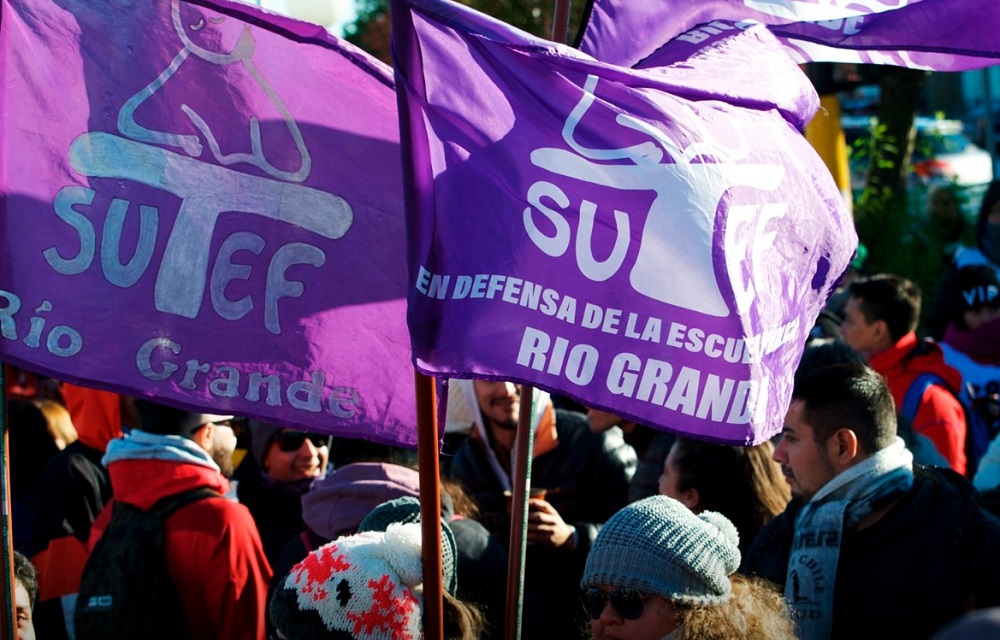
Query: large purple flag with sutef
<point x="940" y="35"/>
<point x="654" y="243"/>
<point x="203" y="202"/>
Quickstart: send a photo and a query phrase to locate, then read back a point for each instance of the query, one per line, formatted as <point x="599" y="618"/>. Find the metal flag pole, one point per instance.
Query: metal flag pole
<point x="524" y="444"/>
<point x="521" y="472"/>
<point x="430" y="506"/>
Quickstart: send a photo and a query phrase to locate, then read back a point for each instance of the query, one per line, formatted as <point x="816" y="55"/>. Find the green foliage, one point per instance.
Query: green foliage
<point x="371" y="30"/>
<point x="881" y="211"/>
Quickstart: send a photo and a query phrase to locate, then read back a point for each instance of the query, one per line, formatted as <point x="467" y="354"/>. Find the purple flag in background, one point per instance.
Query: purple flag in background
<point x="202" y="202"/>
<point x="941" y="35"/>
<point x="655" y="243"/>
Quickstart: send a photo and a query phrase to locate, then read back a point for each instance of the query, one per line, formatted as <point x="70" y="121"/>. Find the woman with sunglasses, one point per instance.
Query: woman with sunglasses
<point x="657" y="571"/>
<point x="285" y="464"/>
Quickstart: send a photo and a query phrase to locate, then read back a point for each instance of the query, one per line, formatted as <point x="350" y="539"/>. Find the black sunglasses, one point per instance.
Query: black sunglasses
<point x="289" y="441"/>
<point x="629" y="603"/>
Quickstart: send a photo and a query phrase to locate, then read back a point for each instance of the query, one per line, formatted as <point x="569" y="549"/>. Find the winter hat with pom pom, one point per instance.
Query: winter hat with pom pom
<point x="658" y="546"/>
<point x="364" y="587"/>
<point x="405" y="510"/>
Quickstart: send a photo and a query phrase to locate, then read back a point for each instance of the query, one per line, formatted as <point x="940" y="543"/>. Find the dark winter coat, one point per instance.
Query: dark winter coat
<point x="931" y="558"/>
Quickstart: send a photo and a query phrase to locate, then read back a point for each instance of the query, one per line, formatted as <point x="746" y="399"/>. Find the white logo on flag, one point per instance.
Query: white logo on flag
<point x="675" y="260"/>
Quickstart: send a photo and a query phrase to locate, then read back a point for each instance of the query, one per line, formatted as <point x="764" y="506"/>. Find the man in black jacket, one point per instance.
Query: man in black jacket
<point x="585" y="477"/>
<point x="871" y="546"/>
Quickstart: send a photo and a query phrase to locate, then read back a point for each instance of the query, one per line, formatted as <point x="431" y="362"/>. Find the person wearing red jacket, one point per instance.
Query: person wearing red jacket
<point x="73" y="489"/>
<point x="879" y="322"/>
<point x="213" y="550"/>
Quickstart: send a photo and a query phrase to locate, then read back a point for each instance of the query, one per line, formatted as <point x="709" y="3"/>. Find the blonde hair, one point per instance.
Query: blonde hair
<point x="755" y="611"/>
<point x="462" y="621"/>
<point x="58" y="422"/>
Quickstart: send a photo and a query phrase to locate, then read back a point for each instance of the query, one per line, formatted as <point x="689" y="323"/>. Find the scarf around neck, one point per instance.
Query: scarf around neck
<point x="838" y="507"/>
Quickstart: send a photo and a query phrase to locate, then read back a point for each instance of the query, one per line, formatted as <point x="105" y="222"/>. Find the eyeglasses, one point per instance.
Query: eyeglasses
<point x="289" y="441"/>
<point x="629" y="603"/>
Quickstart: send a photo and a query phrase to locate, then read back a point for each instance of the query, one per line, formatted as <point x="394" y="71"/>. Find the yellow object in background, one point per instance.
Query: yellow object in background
<point x="238" y="456"/>
<point x="826" y="136"/>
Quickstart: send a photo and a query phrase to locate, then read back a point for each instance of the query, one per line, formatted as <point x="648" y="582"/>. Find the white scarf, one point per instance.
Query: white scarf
<point x="839" y="506"/>
<point x="463" y="409"/>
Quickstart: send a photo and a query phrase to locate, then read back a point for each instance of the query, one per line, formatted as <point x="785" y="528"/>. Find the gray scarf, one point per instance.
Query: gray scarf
<point x="839" y="506"/>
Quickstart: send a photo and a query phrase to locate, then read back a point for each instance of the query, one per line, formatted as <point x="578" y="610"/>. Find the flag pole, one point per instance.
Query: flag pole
<point x="430" y="506"/>
<point x="7" y="615"/>
<point x="560" y="22"/>
<point x="521" y="477"/>
<point x="524" y="445"/>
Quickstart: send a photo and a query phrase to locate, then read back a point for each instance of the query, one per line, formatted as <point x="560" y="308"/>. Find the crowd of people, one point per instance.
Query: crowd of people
<point x="871" y="515"/>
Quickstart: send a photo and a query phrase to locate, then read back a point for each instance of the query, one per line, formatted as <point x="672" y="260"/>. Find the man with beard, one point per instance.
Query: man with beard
<point x="585" y="477"/>
<point x="871" y="546"/>
<point x="212" y="548"/>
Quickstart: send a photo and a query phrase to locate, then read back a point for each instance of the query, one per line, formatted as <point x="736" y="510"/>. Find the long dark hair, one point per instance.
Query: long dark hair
<point x="742" y="483"/>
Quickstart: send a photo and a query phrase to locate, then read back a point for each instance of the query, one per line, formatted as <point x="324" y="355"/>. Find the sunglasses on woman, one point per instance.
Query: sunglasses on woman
<point x="289" y="441"/>
<point x="629" y="603"/>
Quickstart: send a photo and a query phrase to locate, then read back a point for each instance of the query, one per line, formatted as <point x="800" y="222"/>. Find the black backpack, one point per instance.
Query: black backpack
<point x="126" y="590"/>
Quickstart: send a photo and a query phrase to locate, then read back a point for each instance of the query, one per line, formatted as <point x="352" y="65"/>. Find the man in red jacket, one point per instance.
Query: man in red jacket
<point x="214" y="554"/>
<point x="880" y="320"/>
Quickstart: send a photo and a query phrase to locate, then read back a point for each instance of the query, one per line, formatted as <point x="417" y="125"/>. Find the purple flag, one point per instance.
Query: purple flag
<point x="202" y="202"/>
<point x="940" y="35"/>
<point x="654" y="243"/>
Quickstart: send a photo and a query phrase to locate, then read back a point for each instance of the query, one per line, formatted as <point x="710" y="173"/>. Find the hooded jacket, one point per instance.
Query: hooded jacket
<point x="213" y="551"/>
<point x="337" y="504"/>
<point x="940" y="416"/>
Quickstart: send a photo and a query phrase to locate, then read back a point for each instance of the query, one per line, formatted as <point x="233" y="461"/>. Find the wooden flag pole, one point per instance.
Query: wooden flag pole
<point x="8" y="616"/>
<point x="560" y="22"/>
<point x="430" y="506"/>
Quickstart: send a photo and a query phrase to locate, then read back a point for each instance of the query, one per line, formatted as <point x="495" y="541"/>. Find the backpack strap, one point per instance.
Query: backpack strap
<point x="168" y="504"/>
<point x="916" y="393"/>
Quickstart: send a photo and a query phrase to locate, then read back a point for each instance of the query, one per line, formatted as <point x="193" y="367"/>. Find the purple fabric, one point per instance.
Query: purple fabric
<point x="202" y="202"/>
<point x="942" y="35"/>
<point x="653" y="243"/>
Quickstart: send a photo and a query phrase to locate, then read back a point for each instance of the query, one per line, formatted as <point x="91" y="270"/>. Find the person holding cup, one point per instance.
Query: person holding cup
<point x="585" y="476"/>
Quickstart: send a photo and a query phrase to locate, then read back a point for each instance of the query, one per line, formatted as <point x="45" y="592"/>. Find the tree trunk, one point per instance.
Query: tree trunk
<point x="881" y="210"/>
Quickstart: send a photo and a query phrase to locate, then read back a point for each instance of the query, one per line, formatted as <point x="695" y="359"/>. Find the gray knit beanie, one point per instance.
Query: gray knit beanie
<point x="261" y="435"/>
<point x="658" y="546"/>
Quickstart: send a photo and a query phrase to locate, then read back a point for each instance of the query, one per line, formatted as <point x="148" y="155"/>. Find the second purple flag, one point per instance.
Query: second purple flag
<point x="941" y="35"/>
<point x="642" y="241"/>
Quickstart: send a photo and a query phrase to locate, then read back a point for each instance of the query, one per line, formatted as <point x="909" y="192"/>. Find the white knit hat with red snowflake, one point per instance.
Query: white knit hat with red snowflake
<point x="362" y="587"/>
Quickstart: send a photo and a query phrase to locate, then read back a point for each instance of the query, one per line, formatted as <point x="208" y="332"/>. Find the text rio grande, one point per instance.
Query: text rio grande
<point x="682" y="389"/>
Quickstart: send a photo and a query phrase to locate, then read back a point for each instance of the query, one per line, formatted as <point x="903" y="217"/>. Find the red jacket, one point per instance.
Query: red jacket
<point x="940" y="416"/>
<point x="213" y="550"/>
